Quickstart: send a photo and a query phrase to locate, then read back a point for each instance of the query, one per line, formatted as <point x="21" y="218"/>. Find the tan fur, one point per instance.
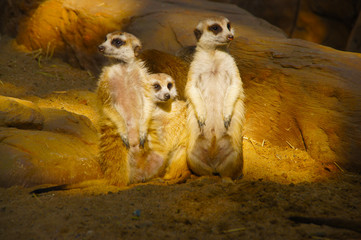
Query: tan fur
<point x="166" y="153"/>
<point x="216" y="111"/>
<point x="124" y="106"/>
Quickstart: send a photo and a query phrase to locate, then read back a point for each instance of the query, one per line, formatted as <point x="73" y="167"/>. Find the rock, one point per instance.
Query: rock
<point x="325" y="22"/>
<point x="62" y="121"/>
<point x="304" y="94"/>
<point x="20" y="114"/>
<point x="321" y="21"/>
<point x="64" y="151"/>
<point x="354" y="40"/>
<point x="30" y="157"/>
<point x="177" y="31"/>
<point x="13" y="12"/>
<point x="73" y="29"/>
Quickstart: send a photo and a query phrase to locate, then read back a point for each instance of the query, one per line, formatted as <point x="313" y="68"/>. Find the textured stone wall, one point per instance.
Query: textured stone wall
<point x="331" y="23"/>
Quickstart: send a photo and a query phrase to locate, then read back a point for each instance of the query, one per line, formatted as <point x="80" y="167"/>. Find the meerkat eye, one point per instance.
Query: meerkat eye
<point x="215" y="28"/>
<point x="117" y="42"/>
<point x="229" y="26"/>
<point x="170" y="85"/>
<point x="105" y="39"/>
<point x="156" y="86"/>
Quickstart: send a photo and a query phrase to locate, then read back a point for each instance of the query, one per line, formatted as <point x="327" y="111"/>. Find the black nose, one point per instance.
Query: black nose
<point x="166" y="96"/>
<point x="101" y="48"/>
<point x="230" y="37"/>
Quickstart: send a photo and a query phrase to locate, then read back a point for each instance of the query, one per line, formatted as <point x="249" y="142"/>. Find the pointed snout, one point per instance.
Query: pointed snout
<point x="230" y="37"/>
<point x="101" y="48"/>
<point x="166" y="96"/>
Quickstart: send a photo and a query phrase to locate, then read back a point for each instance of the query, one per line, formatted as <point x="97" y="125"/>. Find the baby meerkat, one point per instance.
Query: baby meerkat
<point x="166" y="156"/>
<point x="124" y="104"/>
<point x="216" y="109"/>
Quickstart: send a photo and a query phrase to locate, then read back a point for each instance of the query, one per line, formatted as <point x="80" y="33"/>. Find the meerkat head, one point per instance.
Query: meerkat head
<point x="163" y="87"/>
<point x="213" y="32"/>
<point x="121" y="46"/>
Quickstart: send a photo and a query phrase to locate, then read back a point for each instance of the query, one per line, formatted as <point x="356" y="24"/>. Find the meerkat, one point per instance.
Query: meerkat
<point x="216" y="103"/>
<point x="166" y="157"/>
<point x="125" y="106"/>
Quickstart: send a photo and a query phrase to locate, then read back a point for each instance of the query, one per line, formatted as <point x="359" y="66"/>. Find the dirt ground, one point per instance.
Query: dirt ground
<point x="278" y="183"/>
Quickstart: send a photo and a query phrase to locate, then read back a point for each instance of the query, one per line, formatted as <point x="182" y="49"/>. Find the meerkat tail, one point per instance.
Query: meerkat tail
<point x="177" y="171"/>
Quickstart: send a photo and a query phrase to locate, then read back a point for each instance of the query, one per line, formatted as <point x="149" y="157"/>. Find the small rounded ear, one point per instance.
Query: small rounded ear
<point x="197" y="33"/>
<point x="137" y="49"/>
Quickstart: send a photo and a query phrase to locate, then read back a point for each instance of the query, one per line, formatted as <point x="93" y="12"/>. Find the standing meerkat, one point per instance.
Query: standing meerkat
<point x="166" y="157"/>
<point x="216" y="109"/>
<point x="125" y="106"/>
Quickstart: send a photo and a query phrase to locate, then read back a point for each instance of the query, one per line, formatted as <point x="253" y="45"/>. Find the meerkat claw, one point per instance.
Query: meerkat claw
<point x="142" y="140"/>
<point x="201" y="124"/>
<point x="227" y="122"/>
<point x="141" y="143"/>
<point x="125" y="141"/>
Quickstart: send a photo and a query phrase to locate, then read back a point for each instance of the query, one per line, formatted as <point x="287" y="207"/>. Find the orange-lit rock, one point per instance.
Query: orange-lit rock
<point x="20" y="113"/>
<point x="30" y="157"/>
<point x="66" y="143"/>
<point x="303" y="94"/>
<point x="73" y="29"/>
<point x="62" y="121"/>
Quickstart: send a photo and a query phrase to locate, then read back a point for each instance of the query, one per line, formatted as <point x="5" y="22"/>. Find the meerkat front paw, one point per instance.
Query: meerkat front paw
<point x="227" y="121"/>
<point x="201" y="122"/>
<point x="125" y="140"/>
<point x="142" y="139"/>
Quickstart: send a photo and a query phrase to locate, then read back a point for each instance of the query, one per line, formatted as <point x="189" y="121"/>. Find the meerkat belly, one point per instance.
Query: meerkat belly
<point x="128" y="101"/>
<point x="213" y="88"/>
<point x="214" y="145"/>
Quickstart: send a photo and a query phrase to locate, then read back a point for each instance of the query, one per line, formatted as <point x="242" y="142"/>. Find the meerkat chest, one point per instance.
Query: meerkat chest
<point x="169" y="122"/>
<point x="125" y="85"/>
<point x="214" y="72"/>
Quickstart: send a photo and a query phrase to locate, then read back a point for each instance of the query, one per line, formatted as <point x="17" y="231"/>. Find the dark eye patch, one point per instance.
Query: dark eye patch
<point x="156" y="86"/>
<point x="215" y="28"/>
<point x="170" y="85"/>
<point x="229" y="26"/>
<point x="117" y="42"/>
